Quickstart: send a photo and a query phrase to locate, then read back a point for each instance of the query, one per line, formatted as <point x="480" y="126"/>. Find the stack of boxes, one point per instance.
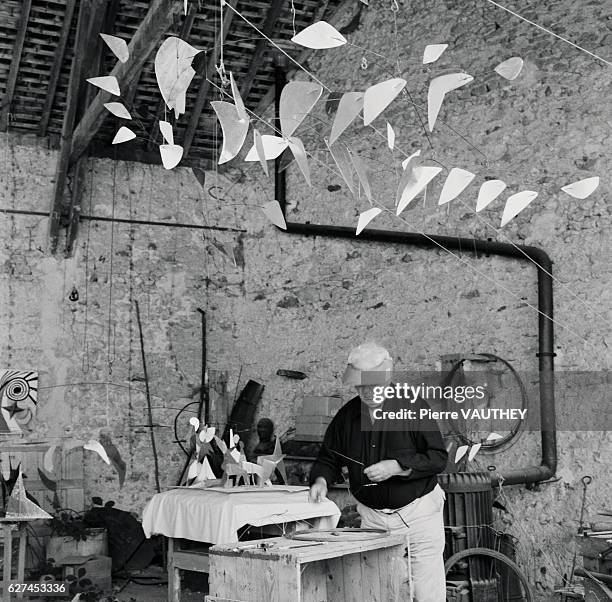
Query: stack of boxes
<point x="315" y="415"/>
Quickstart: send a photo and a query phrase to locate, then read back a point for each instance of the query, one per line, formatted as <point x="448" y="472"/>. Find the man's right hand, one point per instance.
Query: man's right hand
<point x="318" y="490"/>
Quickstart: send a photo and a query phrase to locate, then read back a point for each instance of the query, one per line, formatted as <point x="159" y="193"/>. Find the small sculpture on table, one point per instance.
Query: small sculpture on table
<point x="237" y="470"/>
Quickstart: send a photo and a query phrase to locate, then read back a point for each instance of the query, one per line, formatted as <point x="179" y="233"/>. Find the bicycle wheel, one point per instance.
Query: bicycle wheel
<point x="486" y="573"/>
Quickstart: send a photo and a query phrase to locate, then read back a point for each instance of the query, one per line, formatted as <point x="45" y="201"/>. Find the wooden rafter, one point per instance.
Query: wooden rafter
<point x="56" y="68"/>
<point x="130" y="94"/>
<point x="270" y="23"/>
<point x="86" y="10"/>
<point x="202" y="96"/>
<point x="183" y="35"/>
<point x="106" y="24"/>
<point x="7" y="101"/>
<point x="102" y="22"/>
<point x="147" y="36"/>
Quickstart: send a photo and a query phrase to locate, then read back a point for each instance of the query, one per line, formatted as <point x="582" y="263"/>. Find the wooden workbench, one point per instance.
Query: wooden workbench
<point x="297" y="571"/>
<point x="191" y="516"/>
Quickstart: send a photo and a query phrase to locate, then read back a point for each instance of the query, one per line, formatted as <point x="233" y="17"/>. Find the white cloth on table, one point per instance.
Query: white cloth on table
<point x="215" y="517"/>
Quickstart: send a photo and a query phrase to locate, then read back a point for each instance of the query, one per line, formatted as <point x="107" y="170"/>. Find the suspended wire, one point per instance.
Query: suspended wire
<point x="261" y="33"/>
<point x="552" y="33"/>
<point x="293" y="16"/>
<point x="518" y="248"/>
<point x="381" y="134"/>
<point x="384" y="208"/>
<point x="405" y="90"/>
<point x="85" y="360"/>
<point x="428" y="237"/>
<point x="499" y="231"/>
<point x="110" y="327"/>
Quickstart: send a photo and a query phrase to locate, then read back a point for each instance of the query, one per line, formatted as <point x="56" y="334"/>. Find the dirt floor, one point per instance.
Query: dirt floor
<point x="155" y="593"/>
<point x="194" y="586"/>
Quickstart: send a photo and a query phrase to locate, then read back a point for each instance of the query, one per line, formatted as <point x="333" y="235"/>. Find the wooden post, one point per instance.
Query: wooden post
<point x="174" y="575"/>
<point x="80" y="50"/>
<point x="23" y="539"/>
<point x="101" y="22"/>
<point x="7" y="530"/>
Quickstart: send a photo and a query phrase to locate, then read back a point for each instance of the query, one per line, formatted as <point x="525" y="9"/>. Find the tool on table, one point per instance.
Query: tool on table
<point x="274" y="545"/>
<point x="304" y="545"/>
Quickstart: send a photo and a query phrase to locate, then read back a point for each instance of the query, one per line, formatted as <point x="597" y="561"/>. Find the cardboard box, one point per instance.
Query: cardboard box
<point x="313" y="420"/>
<point x="313" y="405"/>
<point x="310" y="431"/>
<point x="97" y="570"/>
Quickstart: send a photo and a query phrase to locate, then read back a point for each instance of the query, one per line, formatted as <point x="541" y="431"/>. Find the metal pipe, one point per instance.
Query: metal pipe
<point x="595" y="576"/>
<point x="529" y="474"/>
<point x="548" y="466"/>
<point x="280" y="79"/>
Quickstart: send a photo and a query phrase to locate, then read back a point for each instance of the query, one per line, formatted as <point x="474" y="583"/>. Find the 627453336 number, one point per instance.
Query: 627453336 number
<point x="36" y="588"/>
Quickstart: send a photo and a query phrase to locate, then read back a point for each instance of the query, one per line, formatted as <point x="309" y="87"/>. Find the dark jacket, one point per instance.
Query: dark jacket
<point x="415" y="444"/>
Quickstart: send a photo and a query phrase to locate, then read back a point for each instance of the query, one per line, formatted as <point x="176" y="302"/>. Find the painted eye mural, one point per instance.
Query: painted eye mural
<point x="18" y="399"/>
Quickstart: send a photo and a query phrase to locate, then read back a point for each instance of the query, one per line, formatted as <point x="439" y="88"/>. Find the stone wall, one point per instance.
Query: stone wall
<point x="279" y="301"/>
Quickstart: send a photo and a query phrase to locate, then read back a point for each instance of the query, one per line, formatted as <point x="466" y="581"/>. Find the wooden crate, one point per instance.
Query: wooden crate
<point x="289" y="571"/>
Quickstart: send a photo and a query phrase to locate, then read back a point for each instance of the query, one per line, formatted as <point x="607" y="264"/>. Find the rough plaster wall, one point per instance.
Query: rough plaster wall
<point x="548" y="128"/>
<point x="301" y="303"/>
<point x="95" y="341"/>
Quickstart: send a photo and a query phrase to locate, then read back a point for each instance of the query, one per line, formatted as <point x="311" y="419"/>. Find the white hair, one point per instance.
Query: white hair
<point x="369" y="356"/>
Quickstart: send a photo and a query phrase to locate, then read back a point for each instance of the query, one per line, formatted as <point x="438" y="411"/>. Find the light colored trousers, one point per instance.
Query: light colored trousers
<point x="423" y="522"/>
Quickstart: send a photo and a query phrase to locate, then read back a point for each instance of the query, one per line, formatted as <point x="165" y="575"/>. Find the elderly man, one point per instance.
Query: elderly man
<point x="392" y="470"/>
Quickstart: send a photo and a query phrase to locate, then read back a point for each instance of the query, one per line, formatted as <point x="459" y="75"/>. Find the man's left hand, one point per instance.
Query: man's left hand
<point x="383" y="470"/>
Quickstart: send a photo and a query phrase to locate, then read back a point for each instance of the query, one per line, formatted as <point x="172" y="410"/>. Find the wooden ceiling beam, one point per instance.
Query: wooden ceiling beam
<point x="102" y="22"/>
<point x="156" y="22"/>
<point x="205" y="85"/>
<point x="7" y="101"/>
<point x="87" y="13"/>
<point x="270" y="23"/>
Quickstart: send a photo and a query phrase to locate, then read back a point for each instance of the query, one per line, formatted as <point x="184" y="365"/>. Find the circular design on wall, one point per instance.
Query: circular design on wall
<point x="17" y="389"/>
<point x="18" y="399"/>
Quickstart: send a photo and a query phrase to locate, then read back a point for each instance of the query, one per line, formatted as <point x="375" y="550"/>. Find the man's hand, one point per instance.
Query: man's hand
<point x="383" y="470"/>
<point x="318" y="490"/>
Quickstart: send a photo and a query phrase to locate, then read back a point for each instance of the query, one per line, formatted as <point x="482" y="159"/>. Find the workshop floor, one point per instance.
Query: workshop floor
<point x="194" y="586"/>
<point x="155" y="593"/>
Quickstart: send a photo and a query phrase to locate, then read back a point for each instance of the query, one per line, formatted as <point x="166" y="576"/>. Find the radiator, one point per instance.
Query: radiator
<point x="468" y="517"/>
